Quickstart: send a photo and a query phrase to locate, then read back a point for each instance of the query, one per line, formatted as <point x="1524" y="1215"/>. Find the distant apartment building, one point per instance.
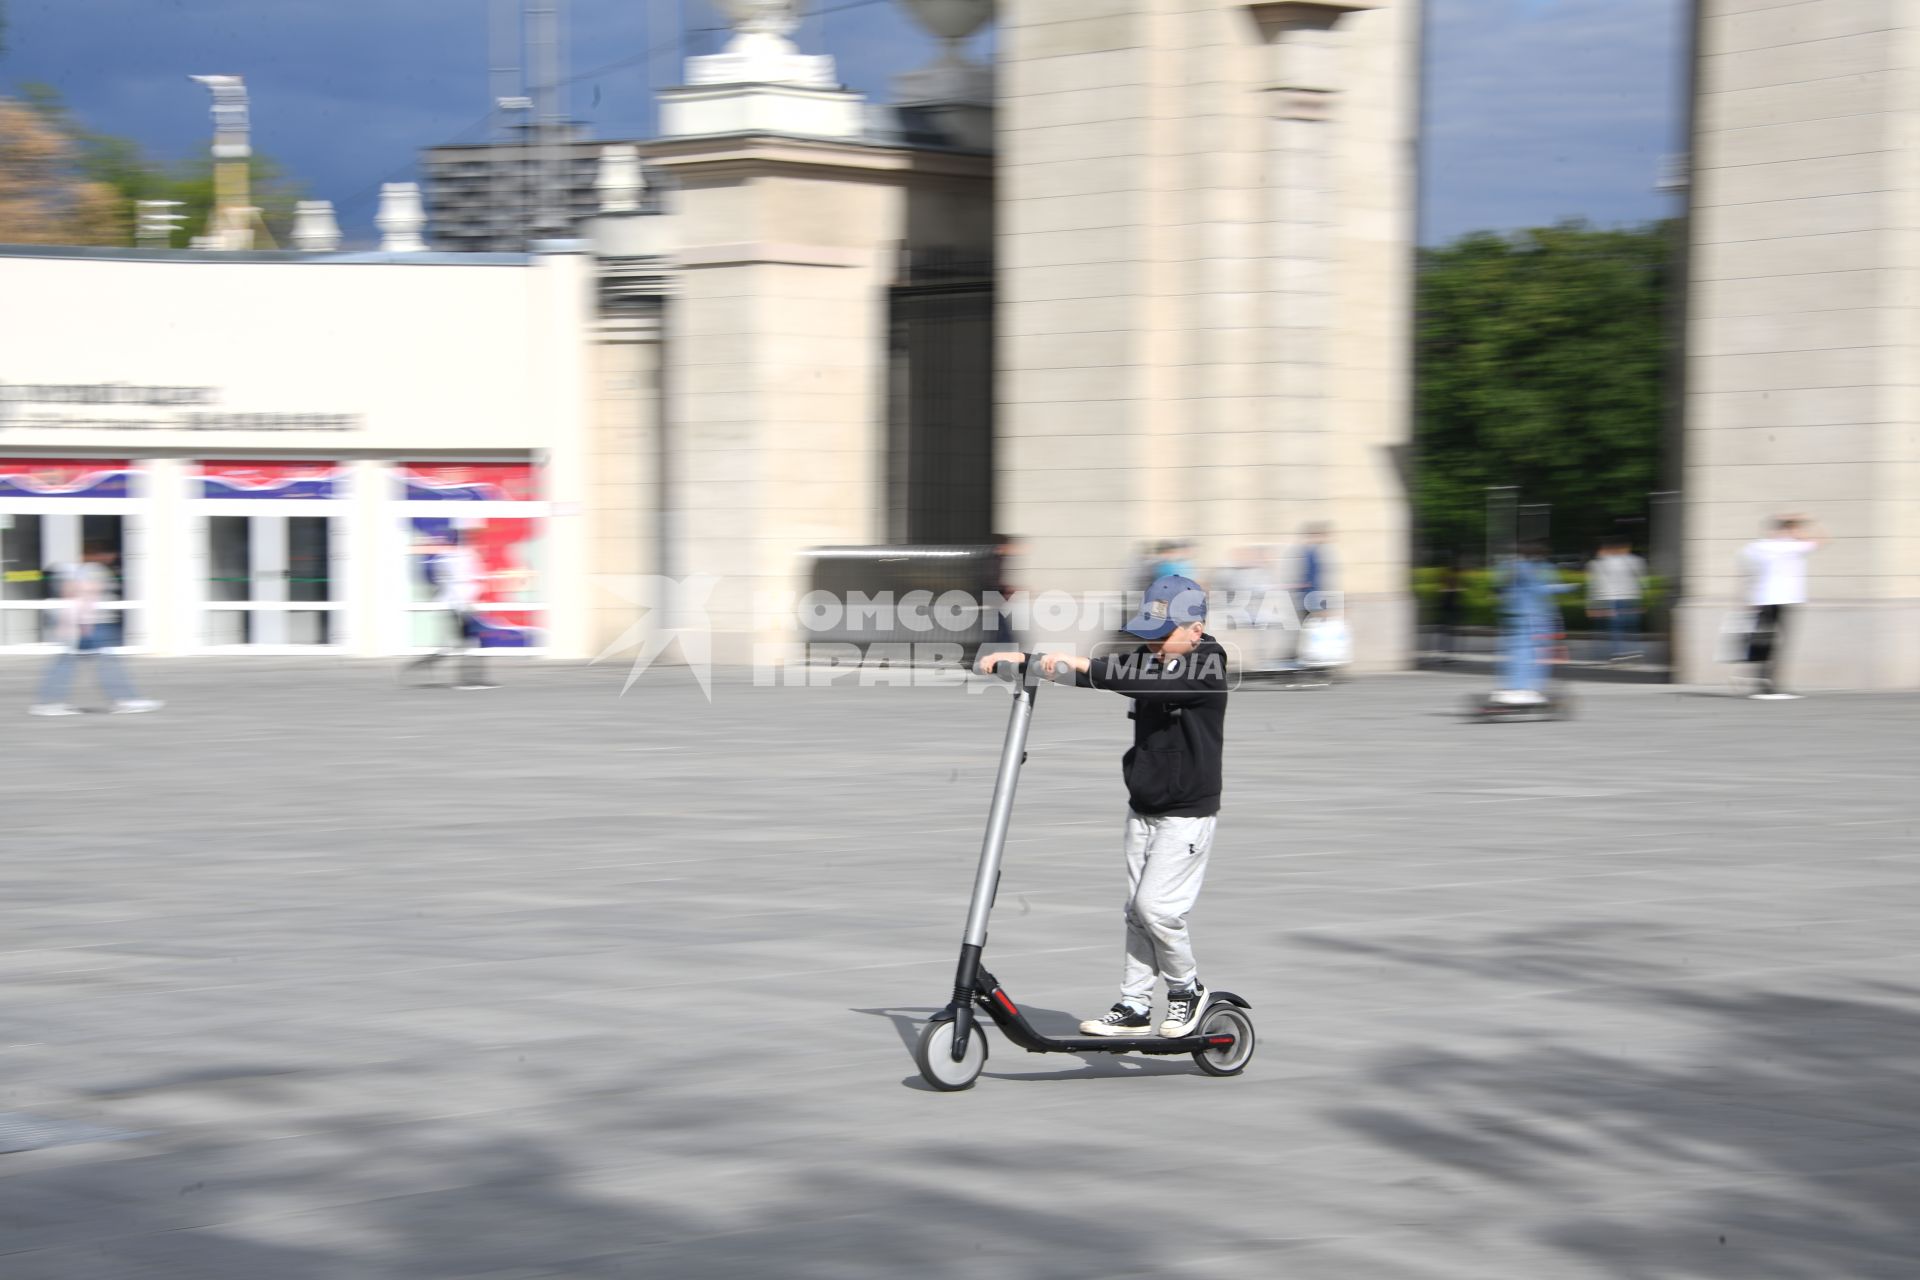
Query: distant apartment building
<point x="485" y="197"/>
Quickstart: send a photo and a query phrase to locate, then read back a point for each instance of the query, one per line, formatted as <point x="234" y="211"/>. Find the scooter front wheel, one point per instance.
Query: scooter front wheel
<point x="1228" y="1060"/>
<point x="934" y="1056"/>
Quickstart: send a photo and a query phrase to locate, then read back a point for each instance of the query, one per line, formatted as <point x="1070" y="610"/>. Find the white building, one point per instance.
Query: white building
<point x="263" y="439"/>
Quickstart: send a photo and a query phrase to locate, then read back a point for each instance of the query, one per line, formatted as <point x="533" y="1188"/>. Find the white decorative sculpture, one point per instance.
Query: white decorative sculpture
<point x="400" y="218"/>
<point x="314" y="228"/>
<point x="956" y="91"/>
<point x="760" y="52"/>
<point x="620" y="181"/>
<point x="954" y="21"/>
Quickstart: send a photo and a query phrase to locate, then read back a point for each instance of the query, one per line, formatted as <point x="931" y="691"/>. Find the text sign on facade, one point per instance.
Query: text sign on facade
<point x="124" y="406"/>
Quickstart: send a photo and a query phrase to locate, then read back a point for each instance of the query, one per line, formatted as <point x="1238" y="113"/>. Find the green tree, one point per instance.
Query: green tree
<point x="1541" y="364"/>
<point x="45" y="196"/>
<point x="120" y="165"/>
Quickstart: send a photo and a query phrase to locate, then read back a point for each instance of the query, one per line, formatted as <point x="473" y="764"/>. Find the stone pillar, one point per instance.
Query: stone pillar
<point x="1205" y="248"/>
<point x="1302" y="101"/>
<point x="776" y="338"/>
<point x="560" y="295"/>
<point x="1804" y="329"/>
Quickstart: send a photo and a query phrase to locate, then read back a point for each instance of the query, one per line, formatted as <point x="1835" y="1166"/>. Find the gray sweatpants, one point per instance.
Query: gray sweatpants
<point x="1166" y="861"/>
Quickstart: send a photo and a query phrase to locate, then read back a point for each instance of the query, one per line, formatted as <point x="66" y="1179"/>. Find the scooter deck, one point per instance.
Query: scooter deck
<point x="1169" y="1045"/>
<point x="994" y="1002"/>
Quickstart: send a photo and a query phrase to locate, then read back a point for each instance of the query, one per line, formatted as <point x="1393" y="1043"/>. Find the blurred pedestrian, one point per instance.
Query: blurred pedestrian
<point x="1146" y="559"/>
<point x="1006" y="549"/>
<point x="1447" y="610"/>
<point x="1530" y="618"/>
<point x="1246" y="583"/>
<point x="1308" y="586"/>
<point x="81" y="629"/>
<point x="1776" y="568"/>
<point x="1316" y="569"/>
<point x="1176" y="561"/>
<point x="456" y="574"/>
<point x="1616" y="584"/>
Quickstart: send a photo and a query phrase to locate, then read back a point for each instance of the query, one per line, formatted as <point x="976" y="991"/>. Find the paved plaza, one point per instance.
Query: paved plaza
<point x="310" y="977"/>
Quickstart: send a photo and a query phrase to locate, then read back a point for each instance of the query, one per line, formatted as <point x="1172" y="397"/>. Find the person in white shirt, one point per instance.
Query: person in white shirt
<point x="456" y="574"/>
<point x="1616" y="580"/>
<point x="79" y="628"/>
<point x="1776" y="569"/>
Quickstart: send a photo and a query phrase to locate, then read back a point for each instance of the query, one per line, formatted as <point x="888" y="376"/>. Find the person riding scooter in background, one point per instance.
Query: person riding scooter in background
<point x="1529" y="615"/>
<point x="1178" y="681"/>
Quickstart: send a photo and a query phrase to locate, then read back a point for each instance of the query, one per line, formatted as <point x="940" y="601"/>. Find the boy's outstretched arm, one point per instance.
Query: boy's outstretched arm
<point x="986" y="662"/>
<point x="1052" y="664"/>
<point x="1180" y="681"/>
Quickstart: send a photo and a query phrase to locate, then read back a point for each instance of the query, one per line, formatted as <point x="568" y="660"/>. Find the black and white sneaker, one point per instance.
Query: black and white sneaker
<point x="1183" y="1010"/>
<point x="1121" y="1020"/>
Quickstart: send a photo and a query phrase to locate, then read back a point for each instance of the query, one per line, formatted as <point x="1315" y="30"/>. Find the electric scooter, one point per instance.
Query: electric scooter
<point x="953" y="1047"/>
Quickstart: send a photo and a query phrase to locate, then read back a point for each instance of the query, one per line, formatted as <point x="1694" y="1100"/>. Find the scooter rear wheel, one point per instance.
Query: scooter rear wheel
<point x="934" y="1056"/>
<point x="1231" y="1060"/>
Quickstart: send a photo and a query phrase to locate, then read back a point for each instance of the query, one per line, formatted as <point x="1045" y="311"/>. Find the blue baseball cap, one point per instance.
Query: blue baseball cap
<point x="1172" y="602"/>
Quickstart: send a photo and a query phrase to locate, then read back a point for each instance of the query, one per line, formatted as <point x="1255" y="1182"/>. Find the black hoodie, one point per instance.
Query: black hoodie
<point x="1179" y="726"/>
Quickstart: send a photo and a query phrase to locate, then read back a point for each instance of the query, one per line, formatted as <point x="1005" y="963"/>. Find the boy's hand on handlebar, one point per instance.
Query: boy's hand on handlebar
<point x="1060" y="662"/>
<point x="988" y="661"/>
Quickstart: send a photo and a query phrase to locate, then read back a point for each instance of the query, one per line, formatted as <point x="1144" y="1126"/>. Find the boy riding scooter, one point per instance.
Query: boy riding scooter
<point x="1178" y="681"/>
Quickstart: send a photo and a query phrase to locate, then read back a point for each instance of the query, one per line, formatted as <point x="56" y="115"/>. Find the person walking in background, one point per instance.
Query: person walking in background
<point x="1447" y="610"/>
<point x="1528" y="612"/>
<point x="1776" y="568"/>
<point x="80" y="628"/>
<point x="1616" y="584"/>
<point x="1146" y="558"/>
<point x="1176" y="561"/>
<point x="1311" y="586"/>
<point x="1316" y="570"/>
<point x="454" y="572"/>
<point x="1006" y="549"/>
<point x="1246" y="584"/>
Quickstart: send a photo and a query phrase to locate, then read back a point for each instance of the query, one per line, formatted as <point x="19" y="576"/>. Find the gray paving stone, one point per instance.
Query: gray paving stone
<point x="550" y="982"/>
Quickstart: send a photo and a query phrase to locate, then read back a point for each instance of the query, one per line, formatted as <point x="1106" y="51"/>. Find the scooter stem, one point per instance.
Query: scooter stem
<point x="991" y="847"/>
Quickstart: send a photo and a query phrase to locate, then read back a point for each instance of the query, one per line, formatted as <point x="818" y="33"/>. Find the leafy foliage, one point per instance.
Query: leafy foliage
<point x="46" y="196"/>
<point x="120" y="169"/>
<point x="1541" y="362"/>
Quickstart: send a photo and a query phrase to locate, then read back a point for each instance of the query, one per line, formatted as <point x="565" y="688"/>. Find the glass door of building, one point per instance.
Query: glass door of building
<point x="272" y="581"/>
<point x="37" y="545"/>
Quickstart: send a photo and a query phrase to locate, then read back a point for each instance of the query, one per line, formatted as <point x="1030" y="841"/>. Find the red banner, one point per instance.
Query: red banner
<point x="470" y="482"/>
<point x="64" y="477"/>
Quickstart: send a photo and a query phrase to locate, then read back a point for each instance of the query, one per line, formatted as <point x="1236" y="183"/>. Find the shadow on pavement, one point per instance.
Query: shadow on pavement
<point x="1740" y="1128"/>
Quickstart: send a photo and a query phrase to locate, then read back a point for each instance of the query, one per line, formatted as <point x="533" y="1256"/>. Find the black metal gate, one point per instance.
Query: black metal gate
<point x="940" y="403"/>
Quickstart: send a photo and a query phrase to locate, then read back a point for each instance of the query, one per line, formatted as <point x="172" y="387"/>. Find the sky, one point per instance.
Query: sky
<point x="1537" y="110"/>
